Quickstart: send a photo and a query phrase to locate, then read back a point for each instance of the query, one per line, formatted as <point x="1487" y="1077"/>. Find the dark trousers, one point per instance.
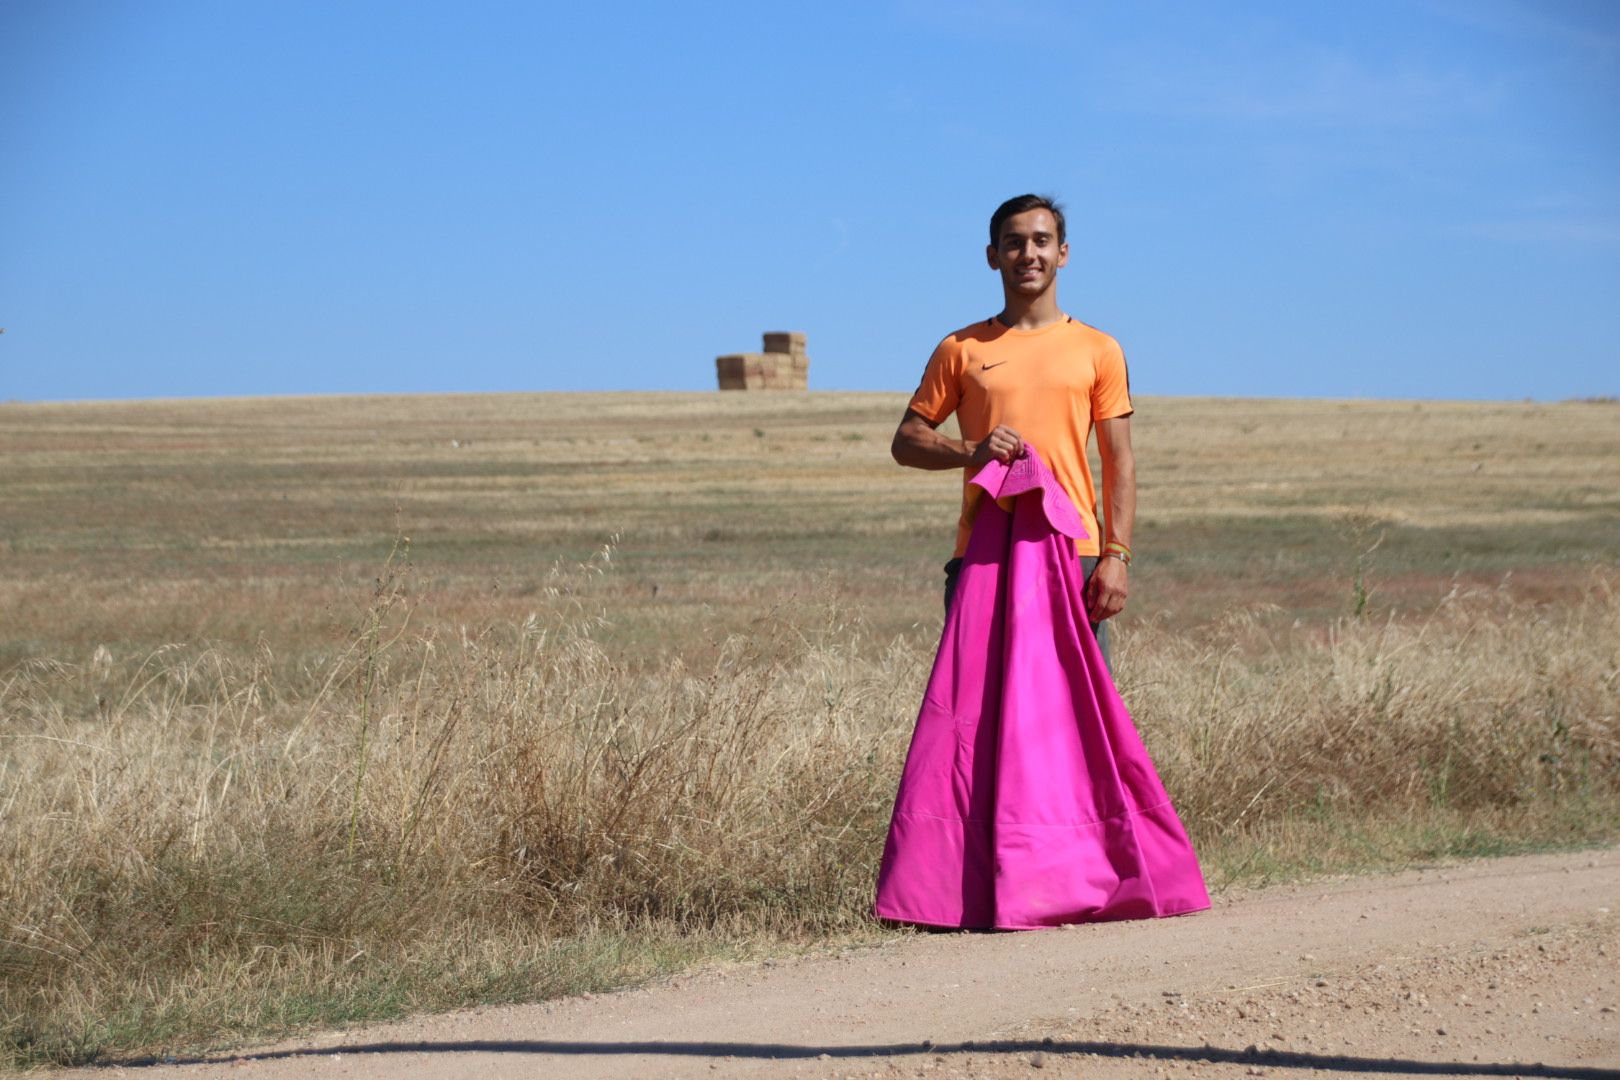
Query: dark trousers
<point x="1088" y="563"/>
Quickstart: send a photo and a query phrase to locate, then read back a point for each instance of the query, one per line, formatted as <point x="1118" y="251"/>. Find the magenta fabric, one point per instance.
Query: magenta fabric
<point x="1027" y="798"/>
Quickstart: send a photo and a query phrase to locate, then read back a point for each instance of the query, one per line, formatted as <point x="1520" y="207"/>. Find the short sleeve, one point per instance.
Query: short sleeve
<point x="1111" y="391"/>
<point x="940" y="391"/>
<point x="941" y="388"/>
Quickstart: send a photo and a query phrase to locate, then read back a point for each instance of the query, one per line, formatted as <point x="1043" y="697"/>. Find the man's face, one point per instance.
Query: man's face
<point x="1028" y="254"/>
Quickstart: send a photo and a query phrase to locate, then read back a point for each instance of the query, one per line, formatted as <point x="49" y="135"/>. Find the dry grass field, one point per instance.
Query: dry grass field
<point x="314" y="710"/>
<point x="145" y="524"/>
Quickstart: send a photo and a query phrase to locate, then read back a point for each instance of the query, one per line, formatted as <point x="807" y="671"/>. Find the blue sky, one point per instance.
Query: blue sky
<point x="1416" y="199"/>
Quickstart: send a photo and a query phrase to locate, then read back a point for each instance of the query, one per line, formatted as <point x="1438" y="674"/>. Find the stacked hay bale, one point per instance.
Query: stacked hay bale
<point x="782" y="365"/>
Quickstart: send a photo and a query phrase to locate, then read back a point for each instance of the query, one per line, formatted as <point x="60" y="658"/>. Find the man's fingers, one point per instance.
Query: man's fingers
<point x="1003" y="444"/>
<point x="1102" y="601"/>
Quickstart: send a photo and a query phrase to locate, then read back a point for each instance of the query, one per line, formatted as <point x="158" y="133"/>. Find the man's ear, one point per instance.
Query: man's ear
<point x="990" y="255"/>
<point x="1063" y="254"/>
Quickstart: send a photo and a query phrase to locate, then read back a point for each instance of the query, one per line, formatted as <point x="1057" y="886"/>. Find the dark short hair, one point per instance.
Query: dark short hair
<point x="1020" y="204"/>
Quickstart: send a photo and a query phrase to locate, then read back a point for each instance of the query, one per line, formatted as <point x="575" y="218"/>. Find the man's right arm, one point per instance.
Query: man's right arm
<point x="918" y="445"/>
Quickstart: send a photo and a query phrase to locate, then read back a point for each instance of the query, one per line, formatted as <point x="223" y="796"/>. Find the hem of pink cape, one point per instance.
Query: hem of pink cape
<point x="1139" y="811"/>
<point x="891" y="916"/>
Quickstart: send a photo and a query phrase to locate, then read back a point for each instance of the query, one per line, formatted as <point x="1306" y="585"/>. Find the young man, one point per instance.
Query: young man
<point x="1032" y="372"/>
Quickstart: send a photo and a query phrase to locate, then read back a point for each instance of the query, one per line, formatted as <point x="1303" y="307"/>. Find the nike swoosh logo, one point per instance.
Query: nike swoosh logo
<point x="987" y="367"/>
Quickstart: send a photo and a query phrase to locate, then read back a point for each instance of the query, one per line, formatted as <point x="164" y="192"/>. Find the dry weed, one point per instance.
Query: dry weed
<point x="1485" y="703"/>
<point x="191" y="851"/>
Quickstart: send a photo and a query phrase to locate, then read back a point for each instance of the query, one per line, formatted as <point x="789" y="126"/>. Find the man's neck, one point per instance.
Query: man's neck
<point x="1032" y="313"/>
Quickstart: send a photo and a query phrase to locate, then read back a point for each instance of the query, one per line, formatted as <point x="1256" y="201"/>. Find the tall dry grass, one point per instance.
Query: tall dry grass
<point x="190" y="850"/>
<point x="1483" y="704"/>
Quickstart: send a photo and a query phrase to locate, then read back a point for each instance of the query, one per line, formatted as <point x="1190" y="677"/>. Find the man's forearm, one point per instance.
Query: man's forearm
<point x="1118" y="478"/>
<point x="918" y="446"/>
<point x="1119" y="495"/>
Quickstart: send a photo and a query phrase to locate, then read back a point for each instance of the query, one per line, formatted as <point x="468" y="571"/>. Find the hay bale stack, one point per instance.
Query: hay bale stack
<point x="782" y="366"/>
<point x="785" y="341"/>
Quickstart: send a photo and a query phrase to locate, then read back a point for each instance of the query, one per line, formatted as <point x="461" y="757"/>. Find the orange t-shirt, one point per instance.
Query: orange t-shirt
<point x="1049" y="385"/>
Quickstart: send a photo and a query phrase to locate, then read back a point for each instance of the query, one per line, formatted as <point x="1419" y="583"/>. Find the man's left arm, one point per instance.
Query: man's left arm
<point x="1105" y="592"/>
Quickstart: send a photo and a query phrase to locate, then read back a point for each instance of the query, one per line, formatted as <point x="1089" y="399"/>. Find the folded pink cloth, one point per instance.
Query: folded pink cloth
<point x="1027" y="798"/>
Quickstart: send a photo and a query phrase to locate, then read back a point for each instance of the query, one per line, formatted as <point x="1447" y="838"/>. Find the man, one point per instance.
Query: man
<point x="1032" y="372"/>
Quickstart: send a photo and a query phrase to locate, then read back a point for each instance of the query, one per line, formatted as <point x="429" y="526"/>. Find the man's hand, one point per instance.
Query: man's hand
<point x="1105" y="592"/>
<point x="1004" y="444"/>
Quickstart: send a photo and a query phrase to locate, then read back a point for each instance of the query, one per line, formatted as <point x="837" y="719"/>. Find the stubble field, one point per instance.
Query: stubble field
<point x="326" y="709"/>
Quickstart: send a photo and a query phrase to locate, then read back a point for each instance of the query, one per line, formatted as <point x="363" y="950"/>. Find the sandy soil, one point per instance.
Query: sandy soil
<point x="1506" y="967"/>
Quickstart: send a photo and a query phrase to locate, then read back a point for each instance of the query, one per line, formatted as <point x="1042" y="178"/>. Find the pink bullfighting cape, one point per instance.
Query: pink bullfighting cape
<point x="1027" y="798"/>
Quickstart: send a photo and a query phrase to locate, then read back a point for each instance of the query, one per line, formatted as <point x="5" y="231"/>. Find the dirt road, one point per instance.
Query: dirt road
<point x="1504" y="967"/>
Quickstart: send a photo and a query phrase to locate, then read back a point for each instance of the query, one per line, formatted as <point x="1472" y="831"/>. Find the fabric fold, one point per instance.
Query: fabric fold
<point x="1027" y="798"/>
